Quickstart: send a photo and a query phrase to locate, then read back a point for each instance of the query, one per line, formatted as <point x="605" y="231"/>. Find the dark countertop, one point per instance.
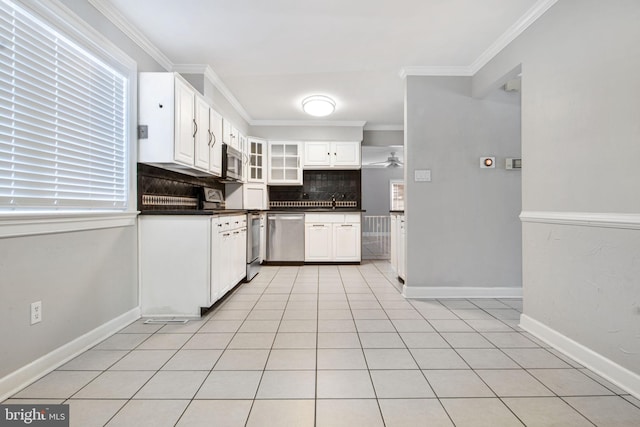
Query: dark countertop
<point x="315" y="210"/>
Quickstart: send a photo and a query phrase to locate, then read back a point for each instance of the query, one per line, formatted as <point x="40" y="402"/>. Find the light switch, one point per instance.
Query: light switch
<point x="422" y="175"/>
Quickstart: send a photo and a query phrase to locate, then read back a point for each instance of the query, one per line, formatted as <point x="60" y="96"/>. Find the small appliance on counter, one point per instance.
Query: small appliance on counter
<point x="211" y="199"/>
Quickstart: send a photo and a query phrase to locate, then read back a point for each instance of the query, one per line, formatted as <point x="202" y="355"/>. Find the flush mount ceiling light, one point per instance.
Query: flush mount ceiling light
<point x="318" y="105"/>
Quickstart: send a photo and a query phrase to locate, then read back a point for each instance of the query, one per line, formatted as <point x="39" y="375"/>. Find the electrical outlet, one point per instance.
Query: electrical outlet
<point x="36" y="312"/>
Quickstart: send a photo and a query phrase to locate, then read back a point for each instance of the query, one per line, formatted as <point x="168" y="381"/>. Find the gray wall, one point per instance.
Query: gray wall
<point x="383" y="138"/>
<point x="462" y="227"/>
<point x="84" y="279"/>
<point x="376" y="198"/>
<point x="580" y="146"/>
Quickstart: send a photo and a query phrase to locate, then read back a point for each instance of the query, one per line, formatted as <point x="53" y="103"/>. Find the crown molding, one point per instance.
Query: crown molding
<point x="117" y="19"/>
<point x="320" y="123"/>
<point x="384" y="127"/>
<point x="217" y="82"/>
<point x="436" y="71"/>
<point x="532" y="15"/>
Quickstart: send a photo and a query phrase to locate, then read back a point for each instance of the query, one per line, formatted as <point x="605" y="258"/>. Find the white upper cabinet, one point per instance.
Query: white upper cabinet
<point x="166" y="107"/>
<point x="183" y="132"/>
<point x="184" y="122"/>
<point x="285" y="163"/>
<point x="317" y="154"/>
<point x="325" y="154"/>
<point x="230" y="134"/>
<point x="257" y="152"/>
<point x="201" y="134"/>
<point x="215" y="144"/>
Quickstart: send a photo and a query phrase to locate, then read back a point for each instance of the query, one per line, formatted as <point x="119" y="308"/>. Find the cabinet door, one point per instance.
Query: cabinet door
<point x="202" y="135"/>
<point x="226" y="258"/>
<point x="241" y="255"/>
<point x="184" y="123"/>
<point x="229" y="134"/>
<point x="318" y="242"/>
<point x="345" y="154"/>
<point x="285" y="163"/>
<point x="317" y="154"/>
<point x="257" y="156"/>
<point x="401" y="248"/>
<point x="346" y="242"/>
<point x="215" y="151"/>
<point x="216" y="262"/>
<point x="394" y="243"/>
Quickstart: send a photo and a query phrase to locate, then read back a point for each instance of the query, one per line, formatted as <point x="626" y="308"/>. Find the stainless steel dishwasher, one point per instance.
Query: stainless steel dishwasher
<point x="285" y="237"/>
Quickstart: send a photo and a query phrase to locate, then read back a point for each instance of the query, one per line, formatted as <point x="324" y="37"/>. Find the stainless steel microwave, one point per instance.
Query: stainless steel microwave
<point x="231" y="163"/>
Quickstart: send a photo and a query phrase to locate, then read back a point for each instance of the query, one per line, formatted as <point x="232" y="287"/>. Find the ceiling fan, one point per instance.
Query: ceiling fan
<point x="391" y="162"/>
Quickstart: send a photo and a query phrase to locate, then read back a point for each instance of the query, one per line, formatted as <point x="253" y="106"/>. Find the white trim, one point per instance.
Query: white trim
<point x="65" y="20"/>
<point x="584" y="219"/>
<point x="384" y="127"/>
<point x="437" y="71"/>
<point x="606" y="368"/>
<point x="123" y="24"/>
<point x="17" y="380"/>
<point x="320" y="123"/>
<point x="442" y="292"/>
<point x="536" y="11"/>
<point x="217" y="82"/>
<point x="525" y="21"/>
<point x="24" y="224"/>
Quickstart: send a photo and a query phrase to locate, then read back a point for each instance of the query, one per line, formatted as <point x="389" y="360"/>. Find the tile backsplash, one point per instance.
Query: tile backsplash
<point x="322" y="185"/>
<point x="161" y="189"/>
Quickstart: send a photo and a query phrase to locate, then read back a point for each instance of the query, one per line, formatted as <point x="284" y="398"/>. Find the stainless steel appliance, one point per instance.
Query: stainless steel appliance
<point x="211" y="198"/>
<point x="253" y="245"/>
<point x="285" y="237"/>
<point x="231" y="163"/>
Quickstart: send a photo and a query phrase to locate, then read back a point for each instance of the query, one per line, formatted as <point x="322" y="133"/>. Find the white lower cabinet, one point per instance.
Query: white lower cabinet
<point x="187" y="262"/>
<point x="346" y="242"/>
<point x="332" y="237"/>
<point x="318" y="242"/>
<point x="398" y="233"/>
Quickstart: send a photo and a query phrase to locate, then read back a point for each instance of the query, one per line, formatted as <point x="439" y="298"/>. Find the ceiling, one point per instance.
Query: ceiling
<point x="271" y="54"/>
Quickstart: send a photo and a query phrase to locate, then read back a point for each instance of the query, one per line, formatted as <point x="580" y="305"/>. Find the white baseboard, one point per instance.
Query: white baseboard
<point x="459" y="292"/>
<point x="15" y="381"/>
<point x="606" y="368"/>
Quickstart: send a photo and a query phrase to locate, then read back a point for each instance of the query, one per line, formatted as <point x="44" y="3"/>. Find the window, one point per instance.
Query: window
<point x="397" y="195"/>
<point x="64" y="125"/>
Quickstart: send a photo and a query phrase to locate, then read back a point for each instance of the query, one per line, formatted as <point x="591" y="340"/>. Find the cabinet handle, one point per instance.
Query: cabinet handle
<point x="195" y="130"/>
<point x="346" y="225"/>
<point x="214" y="139"/>
<point x="236" y="232"/>
<point x="318" y="225"/>
<point x="226" y="234"/>
<point x="210" y="137"/>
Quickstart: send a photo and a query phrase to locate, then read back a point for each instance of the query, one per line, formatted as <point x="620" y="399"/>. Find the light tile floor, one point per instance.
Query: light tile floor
<point x="333" y="346"/>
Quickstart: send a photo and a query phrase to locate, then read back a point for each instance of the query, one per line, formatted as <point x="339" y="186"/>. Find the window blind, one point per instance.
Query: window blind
<point x="63" y="121"/>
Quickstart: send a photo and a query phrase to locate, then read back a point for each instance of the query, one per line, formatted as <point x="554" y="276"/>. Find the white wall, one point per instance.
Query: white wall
<point x="581" y="151"/>
<point x="463" y="229"/>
